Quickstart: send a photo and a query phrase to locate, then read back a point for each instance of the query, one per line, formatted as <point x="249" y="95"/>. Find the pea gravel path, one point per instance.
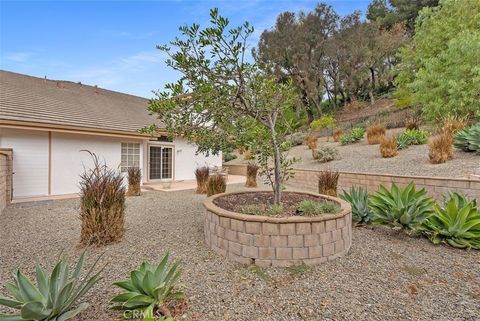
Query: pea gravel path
<point x="386" y="276"/>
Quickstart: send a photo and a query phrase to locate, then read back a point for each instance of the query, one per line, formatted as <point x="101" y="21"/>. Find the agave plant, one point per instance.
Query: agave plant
<point x="457" y="222"/>
<point x="405" y="208"/>
<point x="54" y="297"/>
<point x="468" y="139"/>
<point x="148" y="289"/>
<point x="358" y="199"/>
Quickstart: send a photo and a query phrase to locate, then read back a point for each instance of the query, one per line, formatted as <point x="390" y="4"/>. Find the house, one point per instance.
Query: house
<point x="49" y="124"/>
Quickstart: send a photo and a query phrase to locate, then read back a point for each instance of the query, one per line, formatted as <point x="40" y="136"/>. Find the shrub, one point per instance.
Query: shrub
<point x="134" y="179"/>
<point x="358" y="133"/>
<point x="355" y="135"/>
<point x="457" y="223"/>
<point x="375" y="133"/>
<point x="326" y="121"/>
<point x="337" y="133"/>
<point x="216" y="184"/>
<point x="228" y="156"/>
<point x="388" y="147"/>
<point x="252" y="170"/>
<point x="405" y="208"/>
<point x="102" y="205"/>
<point x="54" y="297"/>
<point x="358" y="199"/>
<point x="327" y="182"/>
<point x="312" y="141"/>
<point x="452" y="124"/>
<point x="149" y="288"/>
<point x="261" y="209"/>
<point x="314" y="208"/>
<point x="412" y="137"/>
<point x="326" y="154"/>
<point x="248" y="155"/>
<point x="297" y="138"/>
<point x="440" y="148"/>
<point x="468" y="139"/>
<point x="413" y="122"/>
<point x="202" y="174"/>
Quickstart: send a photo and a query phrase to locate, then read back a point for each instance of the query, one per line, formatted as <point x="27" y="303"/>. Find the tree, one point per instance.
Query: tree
<point x="297" y="48"/>
<point x="440" y="67"/>
<point x="223" y="99"/>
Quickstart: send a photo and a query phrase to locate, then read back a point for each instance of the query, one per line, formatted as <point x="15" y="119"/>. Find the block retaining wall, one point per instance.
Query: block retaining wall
<point x="267" y="241"/>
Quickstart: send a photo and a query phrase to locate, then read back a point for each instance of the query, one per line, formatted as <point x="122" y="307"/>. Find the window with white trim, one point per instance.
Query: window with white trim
<point x="130" y="156"/>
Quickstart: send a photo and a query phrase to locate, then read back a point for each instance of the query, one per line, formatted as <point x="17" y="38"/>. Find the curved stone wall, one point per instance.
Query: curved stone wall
<point x="269" y="241"/>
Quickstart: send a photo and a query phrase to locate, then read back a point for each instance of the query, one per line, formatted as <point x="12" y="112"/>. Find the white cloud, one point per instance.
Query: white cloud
<point x="19" y="56"/>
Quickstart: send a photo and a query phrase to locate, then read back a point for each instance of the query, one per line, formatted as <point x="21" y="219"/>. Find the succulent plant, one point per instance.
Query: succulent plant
<point x="468" y="139"/>
<point x="358" y="199"/>
<point x="405" y="208"/>
<point x="148" y="289"/>
<point x="457" y="222"/>
<point x="54" y="297"/>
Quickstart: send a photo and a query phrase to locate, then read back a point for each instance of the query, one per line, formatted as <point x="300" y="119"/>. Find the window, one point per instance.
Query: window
<point x="130" y="156"/>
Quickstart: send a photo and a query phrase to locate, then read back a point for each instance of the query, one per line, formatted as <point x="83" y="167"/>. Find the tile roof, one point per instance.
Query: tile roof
<point x="51" y="102"/>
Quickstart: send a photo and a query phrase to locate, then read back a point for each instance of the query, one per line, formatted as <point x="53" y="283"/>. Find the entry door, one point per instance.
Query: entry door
<point x="161" y="162"/>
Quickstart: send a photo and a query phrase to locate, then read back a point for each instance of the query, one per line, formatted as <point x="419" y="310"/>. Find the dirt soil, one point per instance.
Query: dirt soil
<point x="290" y="201"/>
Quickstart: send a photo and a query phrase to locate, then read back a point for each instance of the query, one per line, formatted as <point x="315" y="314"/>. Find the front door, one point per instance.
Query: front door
<point x="161" y="162"/>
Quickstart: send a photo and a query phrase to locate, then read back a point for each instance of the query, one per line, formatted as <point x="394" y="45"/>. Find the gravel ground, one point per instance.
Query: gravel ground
<point x="386" y="275"/>
<point x="361" y="157"/>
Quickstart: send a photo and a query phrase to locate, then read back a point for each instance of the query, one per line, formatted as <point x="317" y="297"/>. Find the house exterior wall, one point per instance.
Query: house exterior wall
<point x="30" y="160"/>
<point x="5" y="177"/>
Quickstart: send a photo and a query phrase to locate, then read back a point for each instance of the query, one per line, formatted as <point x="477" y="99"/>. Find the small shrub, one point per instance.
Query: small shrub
<point x="327" y="182"/>
<point x="252" y="170"/>
<point x="375" y="133"/>
<point x="297" y="138"/>
<point x="388" y="147"/>
<point x="358" y="199"/>
<point x="149" y="288"/>
<point x="54" y="297"/>
<point x="468" y="139"/>
<point x="355" y="135"/>
<point x="358" y="133"/>
<point x="457" y="223"/>
<point x="202" y="174"/>
<point x="216" y="184"/>
<point x="412" y="137"/>
<point x="134" y="179"/>
<point x="312" y="141"/>
<point x="337" y="133"/>
<point x="405" y="208"/>
<point x="261" y="209"/>
<point x="248" y="155"/>
<point x="440" y="148"/>
<point x="102" y="205"/>
<point x="314" y="208"/>
<point x="326" y="121"/>
<point x="228" y="156"/>
<point x="452" y="124"/>
<point x="326" y="154"/>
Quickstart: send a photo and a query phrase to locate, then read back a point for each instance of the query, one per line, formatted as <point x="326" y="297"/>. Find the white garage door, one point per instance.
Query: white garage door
<point x="30" y="161"/>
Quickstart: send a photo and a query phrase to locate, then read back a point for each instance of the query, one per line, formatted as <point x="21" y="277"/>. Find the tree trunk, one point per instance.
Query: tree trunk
<point x="277" y="188"/>
<point x="370" y="92"/>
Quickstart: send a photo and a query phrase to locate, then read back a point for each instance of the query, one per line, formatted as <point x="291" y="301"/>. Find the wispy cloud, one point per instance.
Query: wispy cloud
<point x="18" y="56"/>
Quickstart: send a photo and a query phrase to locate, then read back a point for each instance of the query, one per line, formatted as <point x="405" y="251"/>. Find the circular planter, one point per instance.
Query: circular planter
<point x="271" y="241"/>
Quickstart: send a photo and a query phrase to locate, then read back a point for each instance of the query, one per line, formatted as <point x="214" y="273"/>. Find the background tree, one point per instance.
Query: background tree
<point x="224" y="99"/>
<point x="440" y="67"/>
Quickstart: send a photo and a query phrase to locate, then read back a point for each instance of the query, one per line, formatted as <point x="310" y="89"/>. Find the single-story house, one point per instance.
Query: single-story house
<point x="48" y="124"/>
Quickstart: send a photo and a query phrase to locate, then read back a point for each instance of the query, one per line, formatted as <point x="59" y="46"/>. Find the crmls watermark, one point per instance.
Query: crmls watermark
<point x="139" y="314"/>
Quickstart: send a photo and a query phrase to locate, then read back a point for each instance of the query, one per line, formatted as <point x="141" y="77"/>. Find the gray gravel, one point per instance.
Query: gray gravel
<point x="361" y="157"/>
<point x="375" y="281"/>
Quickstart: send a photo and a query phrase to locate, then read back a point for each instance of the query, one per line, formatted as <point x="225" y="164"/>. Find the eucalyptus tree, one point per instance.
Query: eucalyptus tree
<point x="224" y="98"/>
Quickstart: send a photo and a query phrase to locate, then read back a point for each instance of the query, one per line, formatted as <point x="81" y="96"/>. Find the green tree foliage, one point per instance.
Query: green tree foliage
<point x="222" y="99"/>
<point x="440" y="67"/>
<point x="390" y="12"/>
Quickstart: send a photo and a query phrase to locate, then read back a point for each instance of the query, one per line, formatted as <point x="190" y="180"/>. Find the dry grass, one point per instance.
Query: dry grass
<point x="312" y="141"/>
<point x="413" y="122"/>
<point x="201" y="174"/>
<point x="134" y="179"/>
<point x="440" y="148"/>
<point x="327" y="182"/>
<point x="337" y="133"/>
<point x="252" y="170"/>
<point x="375" y="134"/>
<point x="216" y="184"/>
<point x="452" y="124"/>
<point x="102" y="205"/>
<point x="388" y="147"/>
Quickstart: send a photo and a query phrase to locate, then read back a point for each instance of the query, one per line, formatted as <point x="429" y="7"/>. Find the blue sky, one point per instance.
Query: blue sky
<point x="112" y="43"/>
